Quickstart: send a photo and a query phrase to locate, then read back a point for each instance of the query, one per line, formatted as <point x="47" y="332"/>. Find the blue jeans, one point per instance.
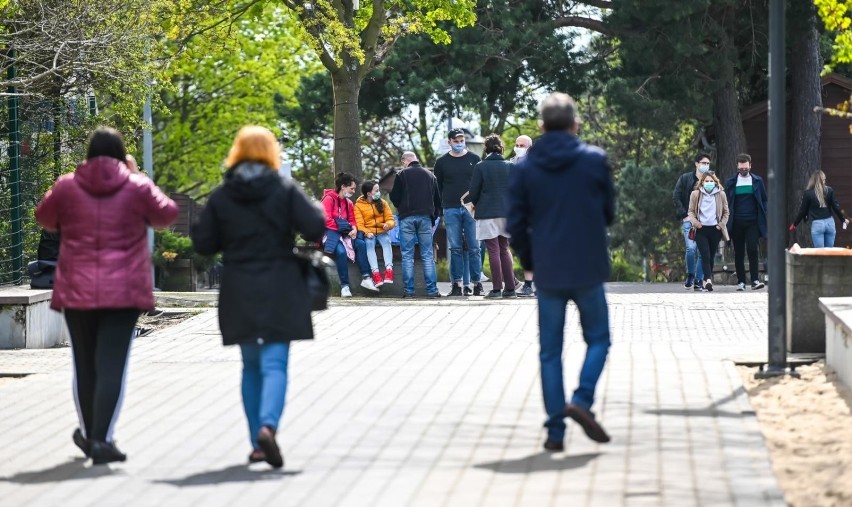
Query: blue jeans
<point x="823" y="232"/>
<point x="461" y="226"/>
<point x="594" y="318"/>
<point x="693" y="258"/>
<point x="417" y="230"/>
<point x="360" y="246"/>
<point x="466" y="275"/>
<point x="264" y="385"/>
<point x="387" y="253"/>
<point x="342" y="263"/>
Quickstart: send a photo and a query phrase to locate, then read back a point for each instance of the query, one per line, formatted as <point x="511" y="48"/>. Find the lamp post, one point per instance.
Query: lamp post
<point x="778" y="203"/>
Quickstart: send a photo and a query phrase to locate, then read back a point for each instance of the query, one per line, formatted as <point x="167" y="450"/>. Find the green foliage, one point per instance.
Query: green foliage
<point x="221" y="80"/>
<point x="169" y="245"/>
<point x="623" y="270"/>
<point x="835" y="14"/>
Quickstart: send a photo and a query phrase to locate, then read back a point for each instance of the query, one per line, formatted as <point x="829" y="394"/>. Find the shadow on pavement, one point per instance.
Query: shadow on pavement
<point x="710" y="410"/>
<point x="69" y="471"/>
<point x="541" y="462"/>
<point x="233" y="473"/>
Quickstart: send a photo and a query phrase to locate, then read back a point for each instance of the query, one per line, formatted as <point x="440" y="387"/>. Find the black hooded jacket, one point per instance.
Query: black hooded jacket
<point x="561" y="200"/>
<point x="253" y="219"/>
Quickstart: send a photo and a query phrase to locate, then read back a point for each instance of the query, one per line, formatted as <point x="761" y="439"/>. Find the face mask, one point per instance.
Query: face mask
<point x="348" y="194"/>
<point x="458" y="148"/>
<point x="703" y="168"/>
<point x="377" y="196"/>
<point x="709" y="187"/>
<point x="520" y="152"/>
<point x="743" y="172"/>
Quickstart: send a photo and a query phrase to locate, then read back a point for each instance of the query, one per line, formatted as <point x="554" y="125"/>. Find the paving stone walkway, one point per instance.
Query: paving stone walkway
<point x="414" y="403"/>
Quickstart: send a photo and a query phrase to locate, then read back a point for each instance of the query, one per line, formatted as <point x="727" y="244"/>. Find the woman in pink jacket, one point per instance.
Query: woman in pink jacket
<point x="103" y="280"/>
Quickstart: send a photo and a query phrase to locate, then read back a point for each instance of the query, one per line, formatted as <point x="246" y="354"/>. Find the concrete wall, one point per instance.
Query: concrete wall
<point x="810" y="277"/>
<point x="838" y="336"/>
<point x="27" y="322"/>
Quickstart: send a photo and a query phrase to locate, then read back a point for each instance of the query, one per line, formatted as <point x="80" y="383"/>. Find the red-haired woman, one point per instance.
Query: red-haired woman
<point x="252" y="218"/>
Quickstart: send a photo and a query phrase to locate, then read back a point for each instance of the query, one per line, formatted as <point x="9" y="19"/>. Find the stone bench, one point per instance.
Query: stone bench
<point x="26" y="320"/>
<point x="838" y="336"/>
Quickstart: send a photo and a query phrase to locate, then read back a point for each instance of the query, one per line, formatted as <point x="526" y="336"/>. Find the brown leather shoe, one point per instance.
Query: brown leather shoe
<point x="256" y="456"/>
<point x="586" y="419"/>
<point x="266" y="441"/>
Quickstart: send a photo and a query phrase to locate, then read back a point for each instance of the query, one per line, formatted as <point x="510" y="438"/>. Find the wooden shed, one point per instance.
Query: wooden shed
<point x="188" y="211"/>
<point x="835" y="144"/>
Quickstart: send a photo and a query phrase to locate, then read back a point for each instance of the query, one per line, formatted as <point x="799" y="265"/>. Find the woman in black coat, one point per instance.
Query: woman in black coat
<point x="252" y="218"/>
<point x="488" y="194"/>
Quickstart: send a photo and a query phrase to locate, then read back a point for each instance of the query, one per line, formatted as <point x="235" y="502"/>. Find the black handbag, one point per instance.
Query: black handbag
<point x="314" y="270"/>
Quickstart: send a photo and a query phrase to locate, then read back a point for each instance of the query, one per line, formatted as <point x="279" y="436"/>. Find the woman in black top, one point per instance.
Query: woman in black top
<point x="253" y="219"/>
<point x="817" y="204"/>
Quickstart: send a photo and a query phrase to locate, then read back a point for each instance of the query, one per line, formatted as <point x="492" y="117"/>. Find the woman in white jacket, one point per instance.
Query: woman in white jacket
<point x="708" y="212"/>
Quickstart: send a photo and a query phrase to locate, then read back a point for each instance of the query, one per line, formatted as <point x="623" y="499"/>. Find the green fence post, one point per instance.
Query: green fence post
<point x="17" y="247"/>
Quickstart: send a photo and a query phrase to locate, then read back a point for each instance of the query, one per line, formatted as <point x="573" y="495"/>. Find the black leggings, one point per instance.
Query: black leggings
<point x="707" y="239"/>
<point x="100" y="341"/>
<point x="745" y="236"/>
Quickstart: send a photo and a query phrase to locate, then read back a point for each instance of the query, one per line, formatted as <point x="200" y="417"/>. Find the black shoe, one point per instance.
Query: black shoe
<point x="266" y="441"/>
<point x="256" y="456"/>
<point x="708" y="286"/>
<point x="105" y="452"/>
<point x="494" y="294"/>
<point x="757" y="284"/>
<point x="586" y="420"/>
<point x="526" y="291"/>
<point x="509" y="294"/>
<point x="554" y="445"/>
<point x="468" y="291"/>
<point x="407" y="296"/>
<point x="697" y="287"/>
<point x="690" y="281"/>
<point x="81" y="442"/>
<point x="457" y="291"/>
<point x="478" y="290"/>
<point x="434" y="295"/>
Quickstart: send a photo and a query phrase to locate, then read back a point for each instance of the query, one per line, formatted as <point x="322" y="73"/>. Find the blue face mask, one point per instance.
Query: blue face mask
<point x="703" y="168"/>
<point x="709" y="187"/>
<point x="377" y="196"/>
<point x="458" y="148"/>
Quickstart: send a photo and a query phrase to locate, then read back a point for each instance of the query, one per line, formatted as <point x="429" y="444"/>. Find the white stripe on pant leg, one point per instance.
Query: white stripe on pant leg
<point x="75" y="389"/>
<point x="133" y="335"/>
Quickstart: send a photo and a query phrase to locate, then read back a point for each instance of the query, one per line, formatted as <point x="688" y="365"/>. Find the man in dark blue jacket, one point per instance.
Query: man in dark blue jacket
<point x="747" y="223"/>
<point x="561" y="200"/>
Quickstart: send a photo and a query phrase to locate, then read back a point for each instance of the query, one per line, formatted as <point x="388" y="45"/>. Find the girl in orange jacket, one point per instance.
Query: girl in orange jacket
<point x="374" y="219"/>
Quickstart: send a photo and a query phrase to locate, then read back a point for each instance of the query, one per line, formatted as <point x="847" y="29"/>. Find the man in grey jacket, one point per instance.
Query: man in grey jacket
<point x="683" y="188"/>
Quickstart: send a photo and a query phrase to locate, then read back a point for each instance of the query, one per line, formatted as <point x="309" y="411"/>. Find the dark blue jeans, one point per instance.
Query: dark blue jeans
<point x="417" y="230"/>
<point x="594" y="318"/>
<point x="360" y="245"/>
<point x="461" y="227"/>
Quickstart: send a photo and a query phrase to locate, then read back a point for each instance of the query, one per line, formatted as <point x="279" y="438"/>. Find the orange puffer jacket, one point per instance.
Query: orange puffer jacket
<point x="370" y="219"/>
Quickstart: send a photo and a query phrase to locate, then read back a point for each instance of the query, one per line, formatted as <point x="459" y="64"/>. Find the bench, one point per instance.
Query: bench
<point x="838" y="336"/>
<point x="26" y="320"/>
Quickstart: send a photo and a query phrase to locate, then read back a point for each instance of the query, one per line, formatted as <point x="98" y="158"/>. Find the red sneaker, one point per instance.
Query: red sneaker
<point x="377" y="279"/>
<point x="389" y="275"/>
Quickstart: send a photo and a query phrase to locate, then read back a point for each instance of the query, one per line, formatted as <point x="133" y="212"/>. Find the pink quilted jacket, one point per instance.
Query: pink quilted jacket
<point x="102" y="211"/>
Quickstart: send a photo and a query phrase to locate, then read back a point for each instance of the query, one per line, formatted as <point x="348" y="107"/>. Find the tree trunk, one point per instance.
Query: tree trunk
<point x="427" y="153"/>
<point x="730" y="137"/>
<point x="347" y="123"/>
<point x="805" y="124"/>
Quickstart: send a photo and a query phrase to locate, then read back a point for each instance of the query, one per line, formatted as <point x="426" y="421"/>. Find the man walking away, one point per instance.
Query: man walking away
<point x="683" y="189"/>
<point x="746" y="194"/>
<point x="522" y="146"/>
<point x="453" y="171"/>
<point x="560" y="197"/>
<point x="416" y="197"/>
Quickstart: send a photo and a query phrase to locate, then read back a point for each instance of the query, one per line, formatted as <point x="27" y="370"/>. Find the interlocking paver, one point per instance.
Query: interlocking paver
<point x="418" y="403"/>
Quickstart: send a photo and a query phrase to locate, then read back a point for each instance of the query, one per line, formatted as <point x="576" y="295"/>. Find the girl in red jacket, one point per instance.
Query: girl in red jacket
<point x="103" y="280"/>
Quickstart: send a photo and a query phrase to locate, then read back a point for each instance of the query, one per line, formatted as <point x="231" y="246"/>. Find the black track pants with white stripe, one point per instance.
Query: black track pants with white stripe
<point x="100" y="341"/>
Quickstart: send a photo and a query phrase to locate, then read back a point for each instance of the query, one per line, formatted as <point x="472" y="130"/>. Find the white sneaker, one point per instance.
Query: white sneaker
<point x="757" y="284"/>
<point x="345" y="292"/>
<point x="368" y="284"/>
<point x="483" y="278"/>
<point x="740" y="287"/>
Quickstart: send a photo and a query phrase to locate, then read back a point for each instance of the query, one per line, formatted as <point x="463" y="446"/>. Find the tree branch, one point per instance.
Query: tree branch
<point x="584" y="22"/>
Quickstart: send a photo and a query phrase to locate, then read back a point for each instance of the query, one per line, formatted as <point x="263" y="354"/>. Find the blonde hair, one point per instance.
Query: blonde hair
<point x="817" y="182"/>
<point x="257" y="144"/>
<point x="704" y="176"/>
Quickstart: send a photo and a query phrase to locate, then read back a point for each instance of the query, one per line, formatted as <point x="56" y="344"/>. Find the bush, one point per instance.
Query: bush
<point x="622" y="270"/>
<point x="170" y="245"/>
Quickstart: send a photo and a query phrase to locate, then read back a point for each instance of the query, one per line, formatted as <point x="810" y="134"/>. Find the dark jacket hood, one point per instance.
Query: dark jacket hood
<point x="251" y="181"/>
<point x="102" y="175"/>
<point x="555" y="151"/>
